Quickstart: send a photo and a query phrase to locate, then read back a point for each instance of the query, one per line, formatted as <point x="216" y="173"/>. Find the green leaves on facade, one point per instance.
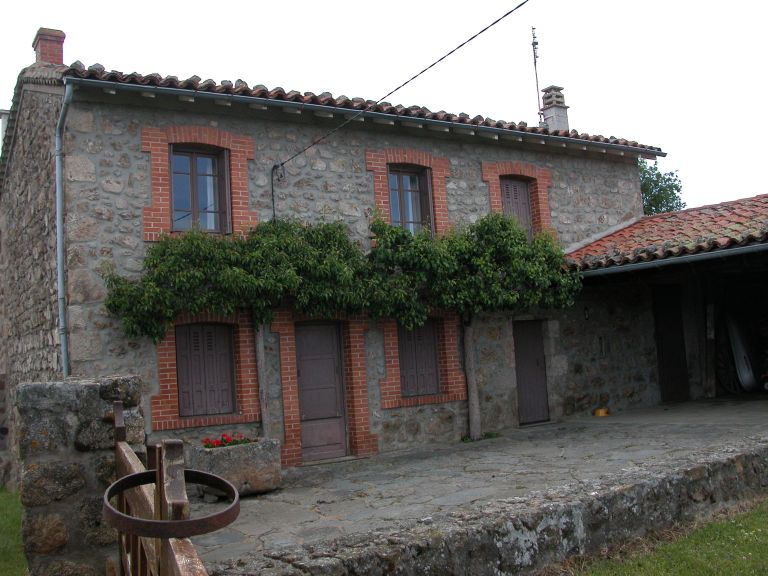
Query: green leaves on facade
<point x="318" y="271"/>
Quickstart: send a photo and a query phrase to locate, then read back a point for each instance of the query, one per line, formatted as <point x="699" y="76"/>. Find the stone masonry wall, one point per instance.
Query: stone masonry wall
<point x="606" y="350"/>
<point x="28" y="317"/>
<point x="403" y="427"/>
<point x="66" y="445"/>
<point x="524" y="535"/>
<point x="27" y="244"/>
<point x="108" y="185"/>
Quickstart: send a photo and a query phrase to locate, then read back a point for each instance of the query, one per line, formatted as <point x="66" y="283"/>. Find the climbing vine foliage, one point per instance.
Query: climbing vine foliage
<point x="318" y="271"/>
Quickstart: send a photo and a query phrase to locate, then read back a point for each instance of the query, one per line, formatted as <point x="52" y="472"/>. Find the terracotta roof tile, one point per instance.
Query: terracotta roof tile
<point x="241" y="88"/>
<point x="715" y="227"/>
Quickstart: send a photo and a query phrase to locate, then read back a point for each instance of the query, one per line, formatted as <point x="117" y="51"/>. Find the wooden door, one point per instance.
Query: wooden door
<point x="530" y="367"/>
<point x="321" y="395"/>
<point x="670" y="343"/>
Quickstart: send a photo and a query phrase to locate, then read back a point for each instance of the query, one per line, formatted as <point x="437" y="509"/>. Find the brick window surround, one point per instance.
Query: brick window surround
<point x="361" y="441"/>
<point x="453" y="385"/>
<point x="539" y="180"/>
<point x="165" y="404"/>
<point x="157" y="141"/>
<point x="452" y="380"/>
<point x="378" y="161"/>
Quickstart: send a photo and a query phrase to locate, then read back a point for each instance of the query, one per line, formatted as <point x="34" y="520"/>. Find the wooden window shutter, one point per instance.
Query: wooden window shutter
<point x="425" y="197"/>
<point x="516" y="201"/>
<point x="419" y="373"/>
<point x="225" y="195"/>
<point x="183" y="365"/>
<point x="426" y="350"/>
<point x="408" y="368"/>
<point x="205" y="369"/>
<point x="222" y="370"/>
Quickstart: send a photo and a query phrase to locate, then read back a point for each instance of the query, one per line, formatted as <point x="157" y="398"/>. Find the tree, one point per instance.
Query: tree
<point x="660" y="191"/>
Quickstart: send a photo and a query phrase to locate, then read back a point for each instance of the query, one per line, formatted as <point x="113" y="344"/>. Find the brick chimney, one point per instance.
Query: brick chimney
<point x="49" y="46"/>
<point x="554" y="109"/>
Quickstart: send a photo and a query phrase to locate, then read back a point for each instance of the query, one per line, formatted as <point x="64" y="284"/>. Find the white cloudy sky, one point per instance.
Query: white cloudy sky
<point x="689" y="77"/>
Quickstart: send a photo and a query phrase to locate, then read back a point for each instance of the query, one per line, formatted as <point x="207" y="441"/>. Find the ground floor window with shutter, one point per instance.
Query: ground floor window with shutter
<point x="205" y="369"/>
<point x="419" y="372"/>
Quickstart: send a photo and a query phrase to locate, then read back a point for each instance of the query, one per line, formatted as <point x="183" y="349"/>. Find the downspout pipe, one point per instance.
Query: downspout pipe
<point x="60" y="251"/>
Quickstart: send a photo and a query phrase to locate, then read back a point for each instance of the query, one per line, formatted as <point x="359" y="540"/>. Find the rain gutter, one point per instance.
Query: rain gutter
<point x="692" y="258"/>
<point x="60" y="254"/>
<point x="327" y="111"/>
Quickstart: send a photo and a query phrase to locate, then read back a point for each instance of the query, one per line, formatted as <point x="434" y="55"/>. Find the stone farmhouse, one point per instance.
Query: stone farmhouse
<point x="97" y="165"/>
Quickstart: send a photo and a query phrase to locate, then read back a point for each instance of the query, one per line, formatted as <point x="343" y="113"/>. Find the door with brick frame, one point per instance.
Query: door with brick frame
<point x="321" y="391"/>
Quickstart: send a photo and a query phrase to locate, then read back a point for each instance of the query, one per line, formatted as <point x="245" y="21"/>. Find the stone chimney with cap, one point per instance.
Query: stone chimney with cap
<point x="554" y="109"/>
<point x="49" y="46"/>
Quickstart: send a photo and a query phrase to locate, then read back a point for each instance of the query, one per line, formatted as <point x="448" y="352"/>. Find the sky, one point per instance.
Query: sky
<point x="686" y="77"/>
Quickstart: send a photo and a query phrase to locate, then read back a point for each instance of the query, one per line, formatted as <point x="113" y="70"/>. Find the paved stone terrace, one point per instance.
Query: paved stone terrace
<point x="393" y="492"/>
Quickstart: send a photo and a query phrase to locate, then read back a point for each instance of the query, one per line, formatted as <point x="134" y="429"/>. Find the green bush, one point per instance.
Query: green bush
<point x="318" y="271"/>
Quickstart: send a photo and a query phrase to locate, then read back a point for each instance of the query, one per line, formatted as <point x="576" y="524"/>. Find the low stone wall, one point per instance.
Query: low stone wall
<point x="522" y="535"/>
<point x="65" y="444"/>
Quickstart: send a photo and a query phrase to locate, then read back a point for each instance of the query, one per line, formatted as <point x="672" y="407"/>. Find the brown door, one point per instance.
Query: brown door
<point x="532" y="399"/>
<point x="670" y="344"/>
<point x="321" y="396"/>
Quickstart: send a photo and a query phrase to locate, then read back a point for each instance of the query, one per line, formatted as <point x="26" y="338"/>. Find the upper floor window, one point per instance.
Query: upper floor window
<point x="200" y="194"/>
<point x="516" y="201"/>
<point x="410" y="197"/>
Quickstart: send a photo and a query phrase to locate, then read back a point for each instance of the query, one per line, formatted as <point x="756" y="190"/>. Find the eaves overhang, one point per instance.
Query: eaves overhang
<point x="721" y="254"/>
<point x="484" y="133"/>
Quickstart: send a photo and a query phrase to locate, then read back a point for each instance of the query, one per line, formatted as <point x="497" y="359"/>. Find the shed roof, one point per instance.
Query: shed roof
<point x="716" y="227"/>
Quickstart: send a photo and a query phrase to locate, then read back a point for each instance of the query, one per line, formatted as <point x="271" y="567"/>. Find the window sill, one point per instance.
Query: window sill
<point x="409" y="401"/>
<point x="176" y="422"/>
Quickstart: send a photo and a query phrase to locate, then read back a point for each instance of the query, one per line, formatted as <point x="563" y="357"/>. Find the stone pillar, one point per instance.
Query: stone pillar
<point x="65" y="445"/>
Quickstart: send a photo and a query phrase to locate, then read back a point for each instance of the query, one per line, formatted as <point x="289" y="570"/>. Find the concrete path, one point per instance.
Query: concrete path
<point x="322" y="502"/>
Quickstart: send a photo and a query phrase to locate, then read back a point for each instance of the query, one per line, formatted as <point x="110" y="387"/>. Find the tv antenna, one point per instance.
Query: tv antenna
<point x="535" y="46"/>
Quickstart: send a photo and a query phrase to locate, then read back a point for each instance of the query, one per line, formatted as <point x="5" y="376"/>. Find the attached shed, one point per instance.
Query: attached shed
<point x="706" y="270"/>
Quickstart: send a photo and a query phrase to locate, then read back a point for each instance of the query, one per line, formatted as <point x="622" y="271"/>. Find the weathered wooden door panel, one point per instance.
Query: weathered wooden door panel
<point x="321" y="394"/>
<point x="670" y="343"/>
<point x="530" y="367"/>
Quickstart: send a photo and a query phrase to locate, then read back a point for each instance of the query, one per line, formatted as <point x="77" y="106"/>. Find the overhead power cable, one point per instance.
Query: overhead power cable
<point x="388" y="94"/>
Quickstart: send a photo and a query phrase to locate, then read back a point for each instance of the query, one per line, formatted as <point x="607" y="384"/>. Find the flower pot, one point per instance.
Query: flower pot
<point x="253" y="468"/>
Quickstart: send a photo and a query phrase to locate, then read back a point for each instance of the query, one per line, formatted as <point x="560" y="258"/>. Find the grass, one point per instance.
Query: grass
<point x="736" y="546"/>
<point x="12" y="562"/>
